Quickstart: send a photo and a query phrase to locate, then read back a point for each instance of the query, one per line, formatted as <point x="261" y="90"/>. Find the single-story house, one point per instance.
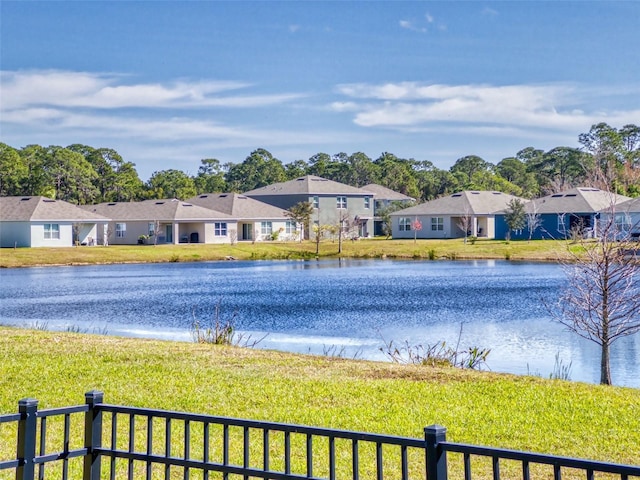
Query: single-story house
<point x="385" y="198"/>
<point x="562" y="215"/>
<point x="467" y="213"/>
<point x="37" y="221"/>
<point x="256" y="220"/>
<point x="334" y="203"/>
<point x="163" y="221"/>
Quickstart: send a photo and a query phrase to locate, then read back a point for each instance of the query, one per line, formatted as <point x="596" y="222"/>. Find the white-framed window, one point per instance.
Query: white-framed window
<point x="266" y="228"/>
<point x="437" y="223"/>
<point x="52" y="231"/>
<point x="561" y="223"/>
<point x="220" y="229"/>
<point x="152" y="229"/>
<point x="404" y="224"/>
<point x="367" y="202"/>
<point x="290" y="227"/>
<point x="121" y="230"/>
<point x="341" y="202"/>
<point x="623" y="222"/>
<point x="316" y="202"/>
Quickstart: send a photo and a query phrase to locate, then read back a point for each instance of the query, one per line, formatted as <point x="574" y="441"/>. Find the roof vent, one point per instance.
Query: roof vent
<point x="475" y="193"/>
<point x="203" y="196"/>
<point x="111" y="204"/>
<point x="497" y="193"/>
<point x="456" y="195"/>
<point x="48" y="200"/>
<point x="224" y="195"/>
<point x="25" y="198"/>
<point x="159" y="203"/>
<point x="556" y="195"/>
<point x="570" y="195"/>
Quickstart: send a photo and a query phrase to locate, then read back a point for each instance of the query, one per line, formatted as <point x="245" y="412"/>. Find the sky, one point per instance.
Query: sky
<point x="170" y="83"/>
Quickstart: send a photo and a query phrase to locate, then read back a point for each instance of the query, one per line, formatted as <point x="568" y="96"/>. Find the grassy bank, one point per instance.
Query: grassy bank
<point x="537" y="250"/>
<point x="556" y="417"/>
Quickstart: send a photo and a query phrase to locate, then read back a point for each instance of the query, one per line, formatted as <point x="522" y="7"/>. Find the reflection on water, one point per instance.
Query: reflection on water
<point x="347" y="306"/>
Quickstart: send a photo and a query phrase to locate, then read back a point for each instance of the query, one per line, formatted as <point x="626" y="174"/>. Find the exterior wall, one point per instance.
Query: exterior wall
<point x="65" y="240"/>
<point x="548" y="228"/>
<point x="448" y="227"/>
<point x="15" y="234"/>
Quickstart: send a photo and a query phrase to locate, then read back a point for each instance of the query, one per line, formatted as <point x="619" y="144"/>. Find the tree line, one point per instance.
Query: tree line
<point x="608" y="158"/>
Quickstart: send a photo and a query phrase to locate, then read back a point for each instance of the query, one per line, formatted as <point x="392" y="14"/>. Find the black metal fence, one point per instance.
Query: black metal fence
<point x="101" y="441"/>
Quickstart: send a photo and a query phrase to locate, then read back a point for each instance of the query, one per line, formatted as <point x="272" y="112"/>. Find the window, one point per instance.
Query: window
<point x="341" y="202"/>
<point x="316" y="202"/>
<point x="220" y="229"/>
<point x="404" y="224"/>
<point x="623" y="222"/>
<point x="152" y="229"/>
<point x="561" y="224"/>
<point x="266" y="228"/>
<point x="51" y="231"/>
<point x="290" y="227"/>
<point x="121" y="230"/>
<point x="437" y="223"/>
<point x="366" y="202"/>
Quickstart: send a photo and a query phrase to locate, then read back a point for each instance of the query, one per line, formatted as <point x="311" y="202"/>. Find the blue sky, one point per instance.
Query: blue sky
<point x="169" y="83"/>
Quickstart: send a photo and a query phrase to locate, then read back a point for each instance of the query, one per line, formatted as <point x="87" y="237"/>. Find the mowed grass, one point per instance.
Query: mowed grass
<point x="537" y="250"/>
<point x="516" y="412"/>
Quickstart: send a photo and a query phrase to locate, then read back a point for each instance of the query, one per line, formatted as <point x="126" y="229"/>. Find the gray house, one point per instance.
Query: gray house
<point x="162" y="221"/>
<point x="42" y="222"/>
<point x="561" y="215"/>
<point x="446" y="217"/>
<point x="256" y="220"/>
<point x="334" y="203"/>
<point x="385" y="198"/>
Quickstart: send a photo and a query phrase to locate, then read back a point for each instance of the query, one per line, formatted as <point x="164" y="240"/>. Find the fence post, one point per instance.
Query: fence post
<point x="436" y="457"/>
<point x="27" y="429"/>
<point x="92" y="435"/>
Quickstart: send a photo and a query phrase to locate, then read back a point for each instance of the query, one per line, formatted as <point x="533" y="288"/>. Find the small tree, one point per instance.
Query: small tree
<point x="601" y="300"/>
<point x="534" y="220"/>
<point x="515" y="216"/>
<point x="464" y="223"/>
<point x="416" y="226"/>
<point x="301" y="213"/>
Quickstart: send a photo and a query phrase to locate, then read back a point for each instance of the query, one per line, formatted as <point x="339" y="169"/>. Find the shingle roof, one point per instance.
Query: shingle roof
<point x="469" y="202"/>
<point x="629" y="206"/>
<point x="384" y="193"/>
<point x="307" y="185"/>
<point x="38" y="208"/>
<point x="238" y="206"/>
<point x="576" y="200"/>
<point x="162" y="210"/>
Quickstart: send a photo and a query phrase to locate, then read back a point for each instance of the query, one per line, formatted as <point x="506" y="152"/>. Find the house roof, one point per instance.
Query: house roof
<point x="629" y="206"/>
<point x="238" y="206"/>
<point x="161" y="210"/>
<point x="307" y="185"/>
<point x="576" y="200"/>
<point x="38" y="208"/>
<point x="384" y="193"/>
<point x="468" y="202"/>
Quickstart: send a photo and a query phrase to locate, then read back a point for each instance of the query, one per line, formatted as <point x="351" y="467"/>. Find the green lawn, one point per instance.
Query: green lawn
<point x="537" y="250"/>
<point x="518" y="412"/>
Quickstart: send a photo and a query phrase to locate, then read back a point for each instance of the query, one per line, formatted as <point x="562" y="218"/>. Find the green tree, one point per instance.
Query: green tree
<point x="210" y="178"/>
<point x="13" y="171"/>
<point x="466" y="167"/>
<point x="296" y="169"/>
<point x="301" y="213"/>
<point x="37" y="181"/>
<point x="515" y="216"/>
<point x="171" y="184"/>
<point x="515" y="172"/>
<point x="259" y="169"/>
<point x="70" y="174"/>
<point x="397" y="174"/>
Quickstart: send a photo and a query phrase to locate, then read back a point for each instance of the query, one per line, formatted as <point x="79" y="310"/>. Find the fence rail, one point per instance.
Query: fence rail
<point x="98" y="441"/>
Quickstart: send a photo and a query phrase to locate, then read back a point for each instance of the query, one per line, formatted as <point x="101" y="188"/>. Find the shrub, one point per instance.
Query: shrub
<point x="221" y="331"/>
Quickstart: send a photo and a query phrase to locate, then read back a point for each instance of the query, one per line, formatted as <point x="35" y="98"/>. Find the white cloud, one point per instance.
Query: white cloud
<point x="107" y="91"/>
<point x="411" y="104"/>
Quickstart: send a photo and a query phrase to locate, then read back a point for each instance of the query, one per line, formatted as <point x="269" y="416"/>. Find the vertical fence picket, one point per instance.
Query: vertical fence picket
<point x="205" y="449"/>
<point x="379" y="462"/>
<point x="225" y="448"/>
<point x="309" y="455"/>
<point x="187" y="446"/>
<point x="405" y="462"/>
<point x="65" y="448"/>
<point x="332" y="458"/>
<point x="132" y="431"/>
<point x="355" y="460"/>
<point x="149" y="445"/>
<point x="265" y="449"/>
<point x="287" y="452"/>
<point x="43" y="445"/>
<point x="496" y="468"/>
<point x="167" y="447"/>
<point x="114" y="443"/>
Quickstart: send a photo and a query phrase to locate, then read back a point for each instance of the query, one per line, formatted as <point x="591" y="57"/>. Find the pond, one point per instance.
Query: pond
<point x="350" y="308"/>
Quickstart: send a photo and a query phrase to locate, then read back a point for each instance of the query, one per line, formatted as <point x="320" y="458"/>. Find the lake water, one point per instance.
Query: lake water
<point x="347" y="307"/>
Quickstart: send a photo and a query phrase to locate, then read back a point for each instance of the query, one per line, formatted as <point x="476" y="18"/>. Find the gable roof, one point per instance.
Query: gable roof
<point x="150" y="210"/>
<point x="576" y="200"/>
<point x="39" y="208"/>
<point x="384" y="193"/>
<point x="468" y="202"/>
<point x="307" y="185"/>
<point x="238" y="206"/>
